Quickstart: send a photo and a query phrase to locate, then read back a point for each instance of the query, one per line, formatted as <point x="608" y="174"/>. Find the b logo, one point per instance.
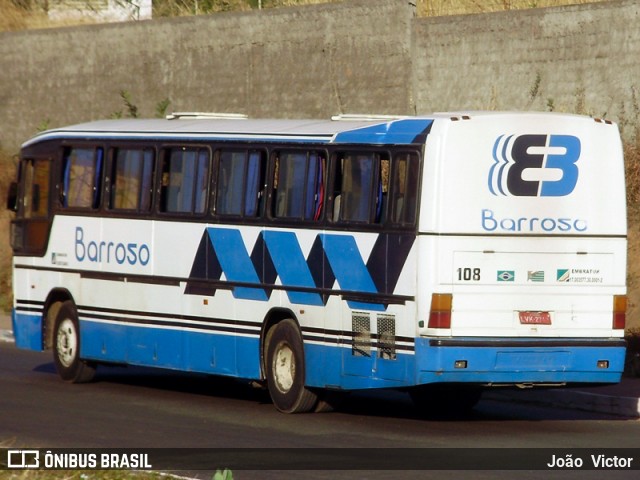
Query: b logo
<point x="534" y="165"/>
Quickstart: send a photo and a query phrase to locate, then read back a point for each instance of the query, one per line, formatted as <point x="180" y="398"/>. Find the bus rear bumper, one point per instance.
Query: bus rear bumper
<point x="509" y="361"/>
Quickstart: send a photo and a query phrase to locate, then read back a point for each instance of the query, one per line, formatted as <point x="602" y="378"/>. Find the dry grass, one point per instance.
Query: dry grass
<point x="13" y="17"/>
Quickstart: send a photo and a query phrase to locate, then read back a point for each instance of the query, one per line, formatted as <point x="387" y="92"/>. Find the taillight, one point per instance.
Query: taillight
<point x="619" y="311"/>
<point x="440" y="315"/>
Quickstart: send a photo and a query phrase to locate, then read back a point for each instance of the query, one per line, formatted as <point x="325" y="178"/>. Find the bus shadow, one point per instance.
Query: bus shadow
<point x="397" y="404"/>
<point x="172" y="381"/>
<point x="368" y="403"/>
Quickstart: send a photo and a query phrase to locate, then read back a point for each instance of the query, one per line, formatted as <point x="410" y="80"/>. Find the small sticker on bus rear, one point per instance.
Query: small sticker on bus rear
<point x="534" y="318"/>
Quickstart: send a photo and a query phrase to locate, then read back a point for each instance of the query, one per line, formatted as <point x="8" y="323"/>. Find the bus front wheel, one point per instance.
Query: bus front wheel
<point x="285" y="369"/>
<point x="66" y="347"/>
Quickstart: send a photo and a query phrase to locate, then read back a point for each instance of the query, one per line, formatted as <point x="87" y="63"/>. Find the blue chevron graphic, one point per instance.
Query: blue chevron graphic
<point x="349" y="268"/>
<point x="291" y="266"/>
<point x="223" y="261"/>
<point x="236" y="263"/>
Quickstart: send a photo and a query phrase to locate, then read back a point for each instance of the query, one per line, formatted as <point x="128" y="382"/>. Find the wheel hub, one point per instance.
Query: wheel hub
<point x="284" y="367"/>
<point x="67" y="342"/>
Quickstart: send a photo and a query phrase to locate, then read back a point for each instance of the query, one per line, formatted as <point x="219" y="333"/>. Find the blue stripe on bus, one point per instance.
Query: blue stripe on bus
<point x="235" y="356"/>
<point x="174" y="349"/>
<point x="27" y="330"/>
<point x="236" y="263"/>
<point x="330" y="365"/>
<point x="334" y="366"/>
<point x="406" y="131"/>
<point x="291" y="266"/>
<point x="349" y="268"/>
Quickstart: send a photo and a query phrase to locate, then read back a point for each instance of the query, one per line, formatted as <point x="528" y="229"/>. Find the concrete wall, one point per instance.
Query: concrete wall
<point x="360" y="56"/>
<point x="582" y="58"/>
<point x="291" y="62"/>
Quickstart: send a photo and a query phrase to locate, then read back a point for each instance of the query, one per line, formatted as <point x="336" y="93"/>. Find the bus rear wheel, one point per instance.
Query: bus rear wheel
<point x="285" y="369"/>
<point x="66" y="347"/>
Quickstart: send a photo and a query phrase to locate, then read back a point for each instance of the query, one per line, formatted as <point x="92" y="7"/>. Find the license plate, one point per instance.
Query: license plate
<point x="535" y="318"/>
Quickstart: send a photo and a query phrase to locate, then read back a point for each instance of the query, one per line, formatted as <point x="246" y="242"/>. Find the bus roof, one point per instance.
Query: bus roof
<point x="354" y="129"/>
<point x="402" y="130"/>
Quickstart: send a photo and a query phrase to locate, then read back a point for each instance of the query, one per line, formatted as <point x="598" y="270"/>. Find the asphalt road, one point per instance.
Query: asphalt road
<point x="145" y="408"/>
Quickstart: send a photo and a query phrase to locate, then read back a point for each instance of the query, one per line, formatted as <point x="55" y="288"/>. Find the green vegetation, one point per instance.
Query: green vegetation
<point x="131" y="109"/>
<point x="225" y="474"/>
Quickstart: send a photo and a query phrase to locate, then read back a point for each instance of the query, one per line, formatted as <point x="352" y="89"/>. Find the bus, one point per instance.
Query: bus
<point x="439" y="255"/>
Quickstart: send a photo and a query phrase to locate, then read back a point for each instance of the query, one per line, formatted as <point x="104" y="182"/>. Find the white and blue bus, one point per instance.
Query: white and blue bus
<point x="441" y="254"/>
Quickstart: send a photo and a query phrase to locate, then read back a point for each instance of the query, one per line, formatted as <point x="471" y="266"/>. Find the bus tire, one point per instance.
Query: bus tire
<point x="66" y="347"/>
<point x="285" y="369"/>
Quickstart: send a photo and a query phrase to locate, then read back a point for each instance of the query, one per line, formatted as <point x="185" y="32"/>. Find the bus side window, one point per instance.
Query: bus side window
<point x="382" y="192"/>
<point x="132" y="179"/>
<point x="406" y="170"/>
<point x="201" y="180"/>
<point x="147" y="176"/>
<point x="299" y="185"/>
<point x="255" y="184"/>
<point x="185" y="180"/>
<point x="359" y="192"/>
<point x="240" y="183"/>
<point x="81" y="177"/>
